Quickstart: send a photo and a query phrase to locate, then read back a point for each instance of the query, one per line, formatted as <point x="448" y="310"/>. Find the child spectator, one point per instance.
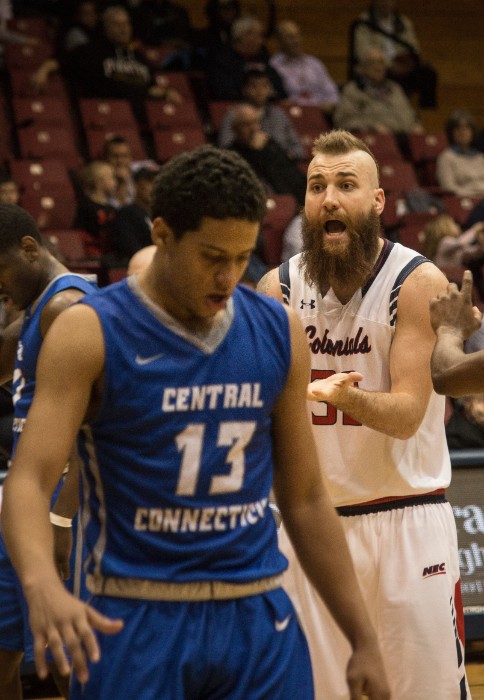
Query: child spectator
<point x="95" y="215"/>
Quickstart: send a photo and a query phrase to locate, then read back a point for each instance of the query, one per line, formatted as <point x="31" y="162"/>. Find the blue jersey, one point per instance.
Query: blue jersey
<point x="29" y="344"/>
<point x="178" y="460"/>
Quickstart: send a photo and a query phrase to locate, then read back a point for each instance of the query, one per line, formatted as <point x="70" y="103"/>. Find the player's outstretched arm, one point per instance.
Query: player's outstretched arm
<point x="314" y="528"/>
<point x="454" y="318"/>
<point x="70" y="363"/>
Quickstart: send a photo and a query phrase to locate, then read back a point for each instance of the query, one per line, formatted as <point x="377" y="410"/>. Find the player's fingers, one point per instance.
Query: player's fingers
<point x="39" y="656"/>
<point x="466" y="287"/>
<point x="103" y="623"/>
<point x="355" y="376"/>
<point x="54" y="642"/>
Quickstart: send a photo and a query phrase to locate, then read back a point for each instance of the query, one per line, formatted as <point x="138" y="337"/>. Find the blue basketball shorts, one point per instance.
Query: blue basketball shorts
<point x="245" y="649"/>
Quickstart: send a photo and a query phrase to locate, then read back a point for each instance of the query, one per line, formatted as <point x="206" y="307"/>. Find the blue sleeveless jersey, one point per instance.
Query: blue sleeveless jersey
<point x="29" y="344"/>
<point x="178" y="459"/>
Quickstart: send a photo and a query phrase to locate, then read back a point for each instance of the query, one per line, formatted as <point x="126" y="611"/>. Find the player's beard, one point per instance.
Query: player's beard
<point x="352" y="263"/>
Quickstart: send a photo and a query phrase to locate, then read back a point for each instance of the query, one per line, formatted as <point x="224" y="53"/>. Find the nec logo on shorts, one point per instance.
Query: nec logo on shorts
<point x="434" y="570"/>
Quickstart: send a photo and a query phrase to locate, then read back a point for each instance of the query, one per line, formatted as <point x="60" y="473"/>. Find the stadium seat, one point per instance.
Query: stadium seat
<point x="424" y="150"/>
<point x="177" y="80"/>
<point x="168" y="115"/>
<point x="116" y="274"/>
<point x="217" y="110"/>
<point x="281" y="209"/>
<point x="305" y="117"/>
<point x="46" y="176"/>
<point x="51" y="111"/>
<point x="96" y="137"/>
<point x="398" y="176"/>
<point x="170" y="142"/>
<point x="34" y="25"/>
<point x="100" y="113"/>
<point x="49" y="142"/>
<point x="383" y="146"/>
<point x="459" y="207"/>
<point x="27" y="55"/>
<point x="70" y="244"/>
<point x="410" y="233"/>
<point x="50" y="211"/>
<point x="20" y="85"/>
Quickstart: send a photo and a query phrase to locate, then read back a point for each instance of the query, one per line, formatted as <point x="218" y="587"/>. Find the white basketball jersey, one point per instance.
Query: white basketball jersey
<point x="362" y="464"/>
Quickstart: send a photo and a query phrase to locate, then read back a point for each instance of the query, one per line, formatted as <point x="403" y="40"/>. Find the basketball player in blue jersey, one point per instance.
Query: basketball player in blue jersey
<point x="379" y="429"/>
<point x="190" y="395"/>
<point x="454" y="317"/>
<point x="41" y="287"/>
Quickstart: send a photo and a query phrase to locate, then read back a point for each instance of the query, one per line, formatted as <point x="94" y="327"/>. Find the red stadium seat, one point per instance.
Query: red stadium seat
<point x="383" y="146"/>
<point x="217" y="110"/>
<point x="398" y="177"/>
<point x="27" y="55"/>
<point x="281" y="209"/>
<point x="459" y="207"/>
<point x="70" y="244"/>
<point x="171" y="142"/>
<point x="168" y="115"/>
<point x="19" y="80"/>
<point x="424" y="151"/>
<point x="177" y="80"/>
<point x="50" y="211"/>
<point x="99" y="113"/>
<point x="410" y="233"/>
<point x="96" y="138"/>
<point x="52" y="111"/>
<point x="49" y="142"/>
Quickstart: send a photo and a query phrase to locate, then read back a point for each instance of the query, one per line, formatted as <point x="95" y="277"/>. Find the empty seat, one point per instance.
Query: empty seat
<point x="50" y="211"/>
<point x="217" y="110"/>
<point x="46" y="176"/>
<point x="33" y="25"/>
<point x="424" y="150"/>
<point x="410" y="233"/>
<point x="304" y="117"/>
<point x="459" y="207"/>
<point x="398" y="177"/>
<point x="167" y="115"/>
<point x="281" y="209"/>
<point x="41" y="110"/>
<point x="96" y="138"/>
<point x="49" y="142"/>
<point x="171" y="142"/>
<point x="98" y="113"/>
<point x="383" y="146"/>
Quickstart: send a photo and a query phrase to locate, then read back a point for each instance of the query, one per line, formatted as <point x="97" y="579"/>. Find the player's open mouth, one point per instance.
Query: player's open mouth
<point x="334" y="227"/>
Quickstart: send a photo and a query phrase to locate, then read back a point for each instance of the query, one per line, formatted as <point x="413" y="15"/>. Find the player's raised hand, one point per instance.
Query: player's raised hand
<point x="454" y="309"/>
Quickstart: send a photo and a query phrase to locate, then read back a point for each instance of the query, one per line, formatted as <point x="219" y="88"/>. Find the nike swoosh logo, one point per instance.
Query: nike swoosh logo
<point x="146" y="360"/>
<point x="281" y="625"/>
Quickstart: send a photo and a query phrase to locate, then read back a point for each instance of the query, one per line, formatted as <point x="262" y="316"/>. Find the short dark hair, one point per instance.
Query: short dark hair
<point x="458" y="117"/>
<point x="15" y="223"/>
<point x="206" y="182"/>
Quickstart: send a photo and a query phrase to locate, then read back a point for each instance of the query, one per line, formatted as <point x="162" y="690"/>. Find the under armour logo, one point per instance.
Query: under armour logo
<point x="311" y="304"/>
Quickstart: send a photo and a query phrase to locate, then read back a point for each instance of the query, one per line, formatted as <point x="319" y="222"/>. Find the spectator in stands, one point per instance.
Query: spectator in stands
<point x="373" y="102"/>
<point x="221" y="14"/>
<point x="227" y="63"/>
<point x="162" y="23"/>
<point x="132" y="227"/>
<point x="257" y="91"/>
<point x="82" y="27"/>
<point x="445" y="243"/>
<point x="9" y="191"/>
<point x="384" y="27"/>
<point x="95" y="215"/>
<point x="117" y="152"/>
<point x="306" y="80"/>
<point x="270" y="162"/>
<point x="460" y="167"/>
<point x="110" y="66"/>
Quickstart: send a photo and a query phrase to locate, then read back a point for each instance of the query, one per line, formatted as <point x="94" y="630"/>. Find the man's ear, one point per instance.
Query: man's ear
<point x="30" y="247"/>
<point x="161" y="233"/>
